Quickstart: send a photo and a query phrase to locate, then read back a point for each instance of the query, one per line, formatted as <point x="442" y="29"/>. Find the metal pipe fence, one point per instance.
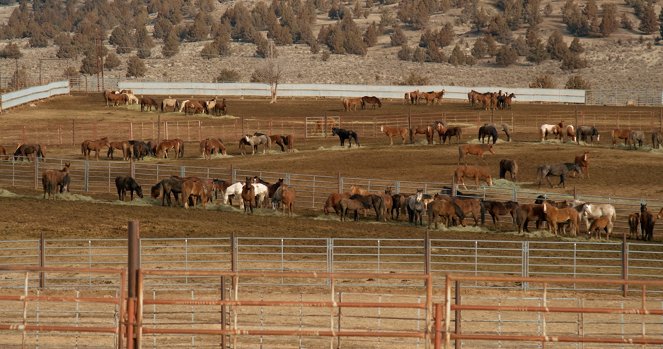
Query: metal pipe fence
<point x="345" y="255"/>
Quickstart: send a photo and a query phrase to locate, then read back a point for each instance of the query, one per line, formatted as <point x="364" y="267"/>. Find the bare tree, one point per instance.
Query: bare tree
<point x="270" y="73"/>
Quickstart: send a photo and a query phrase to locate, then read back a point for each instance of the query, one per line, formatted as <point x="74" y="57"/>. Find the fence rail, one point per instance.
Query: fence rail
<point x="635" y="261"/>
<point x="16" y="98"/>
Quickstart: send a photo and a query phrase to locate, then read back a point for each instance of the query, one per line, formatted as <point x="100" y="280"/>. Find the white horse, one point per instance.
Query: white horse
<point x="260" y="190"/>
<point x="132" y="99"/>
<point x="547" y="129"/>
<point x="183" y="105"/>
<point x="595" y="211"/>
<point x="254" y="141"/>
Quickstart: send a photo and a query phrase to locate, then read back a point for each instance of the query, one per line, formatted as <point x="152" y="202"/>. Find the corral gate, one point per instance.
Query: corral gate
<point x="321" y="126"/>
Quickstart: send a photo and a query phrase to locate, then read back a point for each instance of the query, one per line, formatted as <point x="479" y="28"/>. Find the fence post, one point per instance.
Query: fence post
<point x="458" y="319"/>
<point x="427" y="253"/>
<point x="454" y="186"/>
<point x="340" y="182"/>
<point x="233" y="174"/>
<point x="42" y="259"/>
<point x="525" y="263"/>
<point x="36" y="172"/>
<point x="132" y="167"/>
<point x="86" y="176"/>
<point x="132" y="276"/>
<point x="182" y="171"/>
<point x="233" y="254"/>
<point x="624" y="265"/>
<point x="200" y="131"/>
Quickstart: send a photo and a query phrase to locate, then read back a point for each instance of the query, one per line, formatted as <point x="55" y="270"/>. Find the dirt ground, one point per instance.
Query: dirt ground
<point x="614" y="172"/>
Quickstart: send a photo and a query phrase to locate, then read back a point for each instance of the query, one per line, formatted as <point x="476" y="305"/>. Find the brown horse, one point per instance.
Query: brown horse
<point x="358" y="190"/>
<point x="392" y="132"/>
<point x="193" y="187"/>
<point x="633" y="223"/>
<point x="115" y="99"/>
<point x="192" y="107"/>
<point x="147" y="103"/>
<point x="413" y="96"/>
<point x="124" y="146"/>
<point x="51" y="179"/>
<point x="474" y="149"/>
<point x="618" y="134"/>
<point x="351" y="103"/>
<point x="469" y="206"/>
<point x="286" y="197"/>
<point x="248" y="195"/>
<point x="453" y="131"/>
<point x="488" y="100"/>
<point x="428" y="131"/>
<point x="445" y="209"/>
<point x="167" y="145"/>
<point x="29" y="151"/>
<point x="210" y="145"/>
<point x="333" y="201"/>
<point x="441" y="128"/>
<point x="527" y="212"/>
<point x="474" y="172"/>
<point x="88" y="146"/>
<point x="583" y="162"/>
<point x="432" y="96"/>
<point x="508" y="165"/>
<point x="598" y="224"/>
<point x="496" y="209"/>
<point x="556" y="215"/>
<point x="372" y="100"/>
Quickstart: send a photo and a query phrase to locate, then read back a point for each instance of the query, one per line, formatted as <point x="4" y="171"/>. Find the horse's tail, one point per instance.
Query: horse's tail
<point x="356" y="137"/>
<point x="181" y="152"/>
<point x="483" y="211"/>
<point x="502" y="169"/>
<point x="459" y="212"/>
<point x="83" y="148"/>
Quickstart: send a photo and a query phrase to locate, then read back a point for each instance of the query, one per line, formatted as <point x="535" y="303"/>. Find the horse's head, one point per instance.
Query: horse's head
<point x="643" y="207"/>
<point x="387" y="190"/>
<point x="66" y="167"/>
<point x="491" y="149"/>
<point x="420" y="195"/>
<point x="139" y="191"/>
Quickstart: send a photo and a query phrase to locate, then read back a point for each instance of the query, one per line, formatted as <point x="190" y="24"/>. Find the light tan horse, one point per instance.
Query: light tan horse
<point x="88" y="146"/>
<point x="351" y="103"/>
<point x="358" y="190"/>
<point x="392" y="132"/>
<point x="124" y="146"/>
<point x="474" y="149"/>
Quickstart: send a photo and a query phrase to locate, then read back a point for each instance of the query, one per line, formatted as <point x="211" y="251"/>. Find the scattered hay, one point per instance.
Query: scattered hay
<point x="73" y="197"/>
<point x="138" y="202"/>
<point x="505" y="184"/>
<point x="338" y="148"/>
<point x="7" y="194"/>
<point x="220" y="156"/>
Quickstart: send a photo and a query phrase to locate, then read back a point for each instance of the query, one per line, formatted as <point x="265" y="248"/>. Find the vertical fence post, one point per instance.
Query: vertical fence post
<point x="132" y="276"/>
<point x="624" y="265"/>
<point x="427" y="253"/>
<point x="36" y="172"/>
<point x="182" y="171"/>
<point x="458" y="319"/>
<point x="340" y="182"/>
<point x="42" y="259"/>
<point x="438" y="326"/>
<point x="86" y="176"/>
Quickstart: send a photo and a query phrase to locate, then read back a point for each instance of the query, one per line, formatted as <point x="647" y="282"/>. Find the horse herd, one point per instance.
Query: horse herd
<point x="491" y="100"/>
<point x="188" y="106"/>
<point x="588" y="134"/>
<point x="363" y="102"/>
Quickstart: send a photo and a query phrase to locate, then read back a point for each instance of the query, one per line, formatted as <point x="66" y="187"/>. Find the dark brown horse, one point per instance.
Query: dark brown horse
<point x="127" y="183"/>
<point x="454" y="131"/>
<point x="147" y="103"/>
<point x="445" y="209"/>
<point x="372" y="100"/>
<point x="88" y="146"/>
<point x="508" y="165"/>
<point x="51" y="179"/>
<point x="496" y="209"/>
<point x="248" y="195"/>
<point x="618" y="134"/>
<point x="29" y="151"/>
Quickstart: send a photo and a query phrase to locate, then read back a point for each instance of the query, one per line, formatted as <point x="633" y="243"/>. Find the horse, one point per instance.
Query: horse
<point x="424" y="130"/>
<point x="351" y="103"/>
<point x="167" y="186"/>
<point x="445" y="209"/>
<point x="496" y="209"/>
<point x="656" y="139"/>
<point x="344" y="134"/>
<point x="210" y="145"/>
<point x="527" y="212"/>
<point x="548" y="129"/>
<point x="392" y="132"/>
<point x="127" y="183"/>
<point x="583" y="162"/>
<point x="469" y="206"/>
<point x="29" y="151"/>
<point x="473" y="97"/>
<point x="284" y="196"/>
<point x="193" y="187"/>
<point x="51" y="179"/>
<point x="508" y="165"/>
<point x="618" y="134"/>
<point x="601" y="223"/>
<point x="254" y="141"/>
<point x="441" y="128"/>
<point x="647" y="222"/>
<point x="124" y="146"/>
<point x="217" y="108"/>
<point x="147" y="103"/>
<point x="415" y="207"/>
<point x="169" y="104"/>
<point x="140" y="149"/>
<point x="432" y="96"/>
<point x="289" y="141"/>
<point x="371" y="201"/>
<point x="191" y="107"/>
<point x="452" y="132"/>
<point x="633" y="222"/>
<point x="372" y="100"/>
<point x="88" y="146"/>
<point x="132" y="99"/>
<point x="3" y="153"/>
<point x="636" y="137"/>
<point x="587" y="131"/>
<point x="474" y="149"/>
<point x="398" y="205"/>
<point x="474" y="172"/>
<point x="333" y="201"/>
<point x="488" y="131"/>
<point x="487" y="100"/>
<point x="278" y="140"/>
<point x="348" y="204"/>
<point x="167" y="145"/>
<point x="556" y="215"/>
<point x="571" y="133"/>
<point x="248" y="195"/>
<point x="115" y="99"/>
<point x="560" y="170"/>
<point x="593" y="211"/>
<point x="413" y="96"/>
<point x="505" y="101"/>
<point x="358" y="190"/>
<point x="271" y="188"/>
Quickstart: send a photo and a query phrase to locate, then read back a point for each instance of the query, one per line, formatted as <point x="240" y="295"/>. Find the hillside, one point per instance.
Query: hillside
<point x="626" y="60"/>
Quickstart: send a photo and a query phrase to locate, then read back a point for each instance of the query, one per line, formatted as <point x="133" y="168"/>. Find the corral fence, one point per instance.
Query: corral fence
<point x="96" y="177"/>
<point x="16" y="98"/>
<point x="615" y="260"/>
<point x="73" y="132"/>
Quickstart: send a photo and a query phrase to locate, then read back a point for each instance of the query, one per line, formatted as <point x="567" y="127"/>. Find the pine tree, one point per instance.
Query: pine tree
<point x="506" y="56"/>
<point x="419" y="55"/>
<point x="537" y="52"/>
<point x="480" y="49"/>
<point x="556" y="46"/>
<point x="457" y="57"/>
<point x="162" y="26"/>
<point x="171" y="45"/>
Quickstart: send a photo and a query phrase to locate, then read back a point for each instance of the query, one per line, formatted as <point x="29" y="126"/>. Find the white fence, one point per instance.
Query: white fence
<point x="337" y="91"/>
<point x="16" y="98"/>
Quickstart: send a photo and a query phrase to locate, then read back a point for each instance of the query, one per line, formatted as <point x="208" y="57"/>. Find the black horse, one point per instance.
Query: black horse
<point x="646" y="223"/>
<point x="587" y="131"/>
<point x="140" y="149"/>
<point x="488" y="131"/>
<point x="167" y="186"/>
<point x="508" y="165"/>
<point x="371" y="201"/>
<point x="452" y="132"/>
<point x="27" y="151"/>
<point x="126" y="183"/>
<point x="344" y="134"/>
<point x="560" y="170"/>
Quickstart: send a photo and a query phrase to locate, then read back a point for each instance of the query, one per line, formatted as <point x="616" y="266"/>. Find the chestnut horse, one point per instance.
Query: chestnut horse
<point x="51" y="179"/>
<point x="88" y="146"/>
<point x="474" y="172"/>
<point x="351" y="103"/>
<point x="210" y="145"/>
<point x="333" y="201"/>
<point x="424" y="130"/>
<point x="474" y="149"/>
<point x="556" y="215"/>
<point x="392" y="132"/>
<point x="124" y="146"/>
<point x="286" y="197"/>
<point x="167" y="145"/>
<point x="193" y="187"/>
<point x="445" y="209"/>
<point x="146" y="104"/>
<point x="248" y="195"/>
<point x="633" y="222"/>
<point x="583" y="162"/>
<point x="29" y="151"/>
<point x="618" y="134"/>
